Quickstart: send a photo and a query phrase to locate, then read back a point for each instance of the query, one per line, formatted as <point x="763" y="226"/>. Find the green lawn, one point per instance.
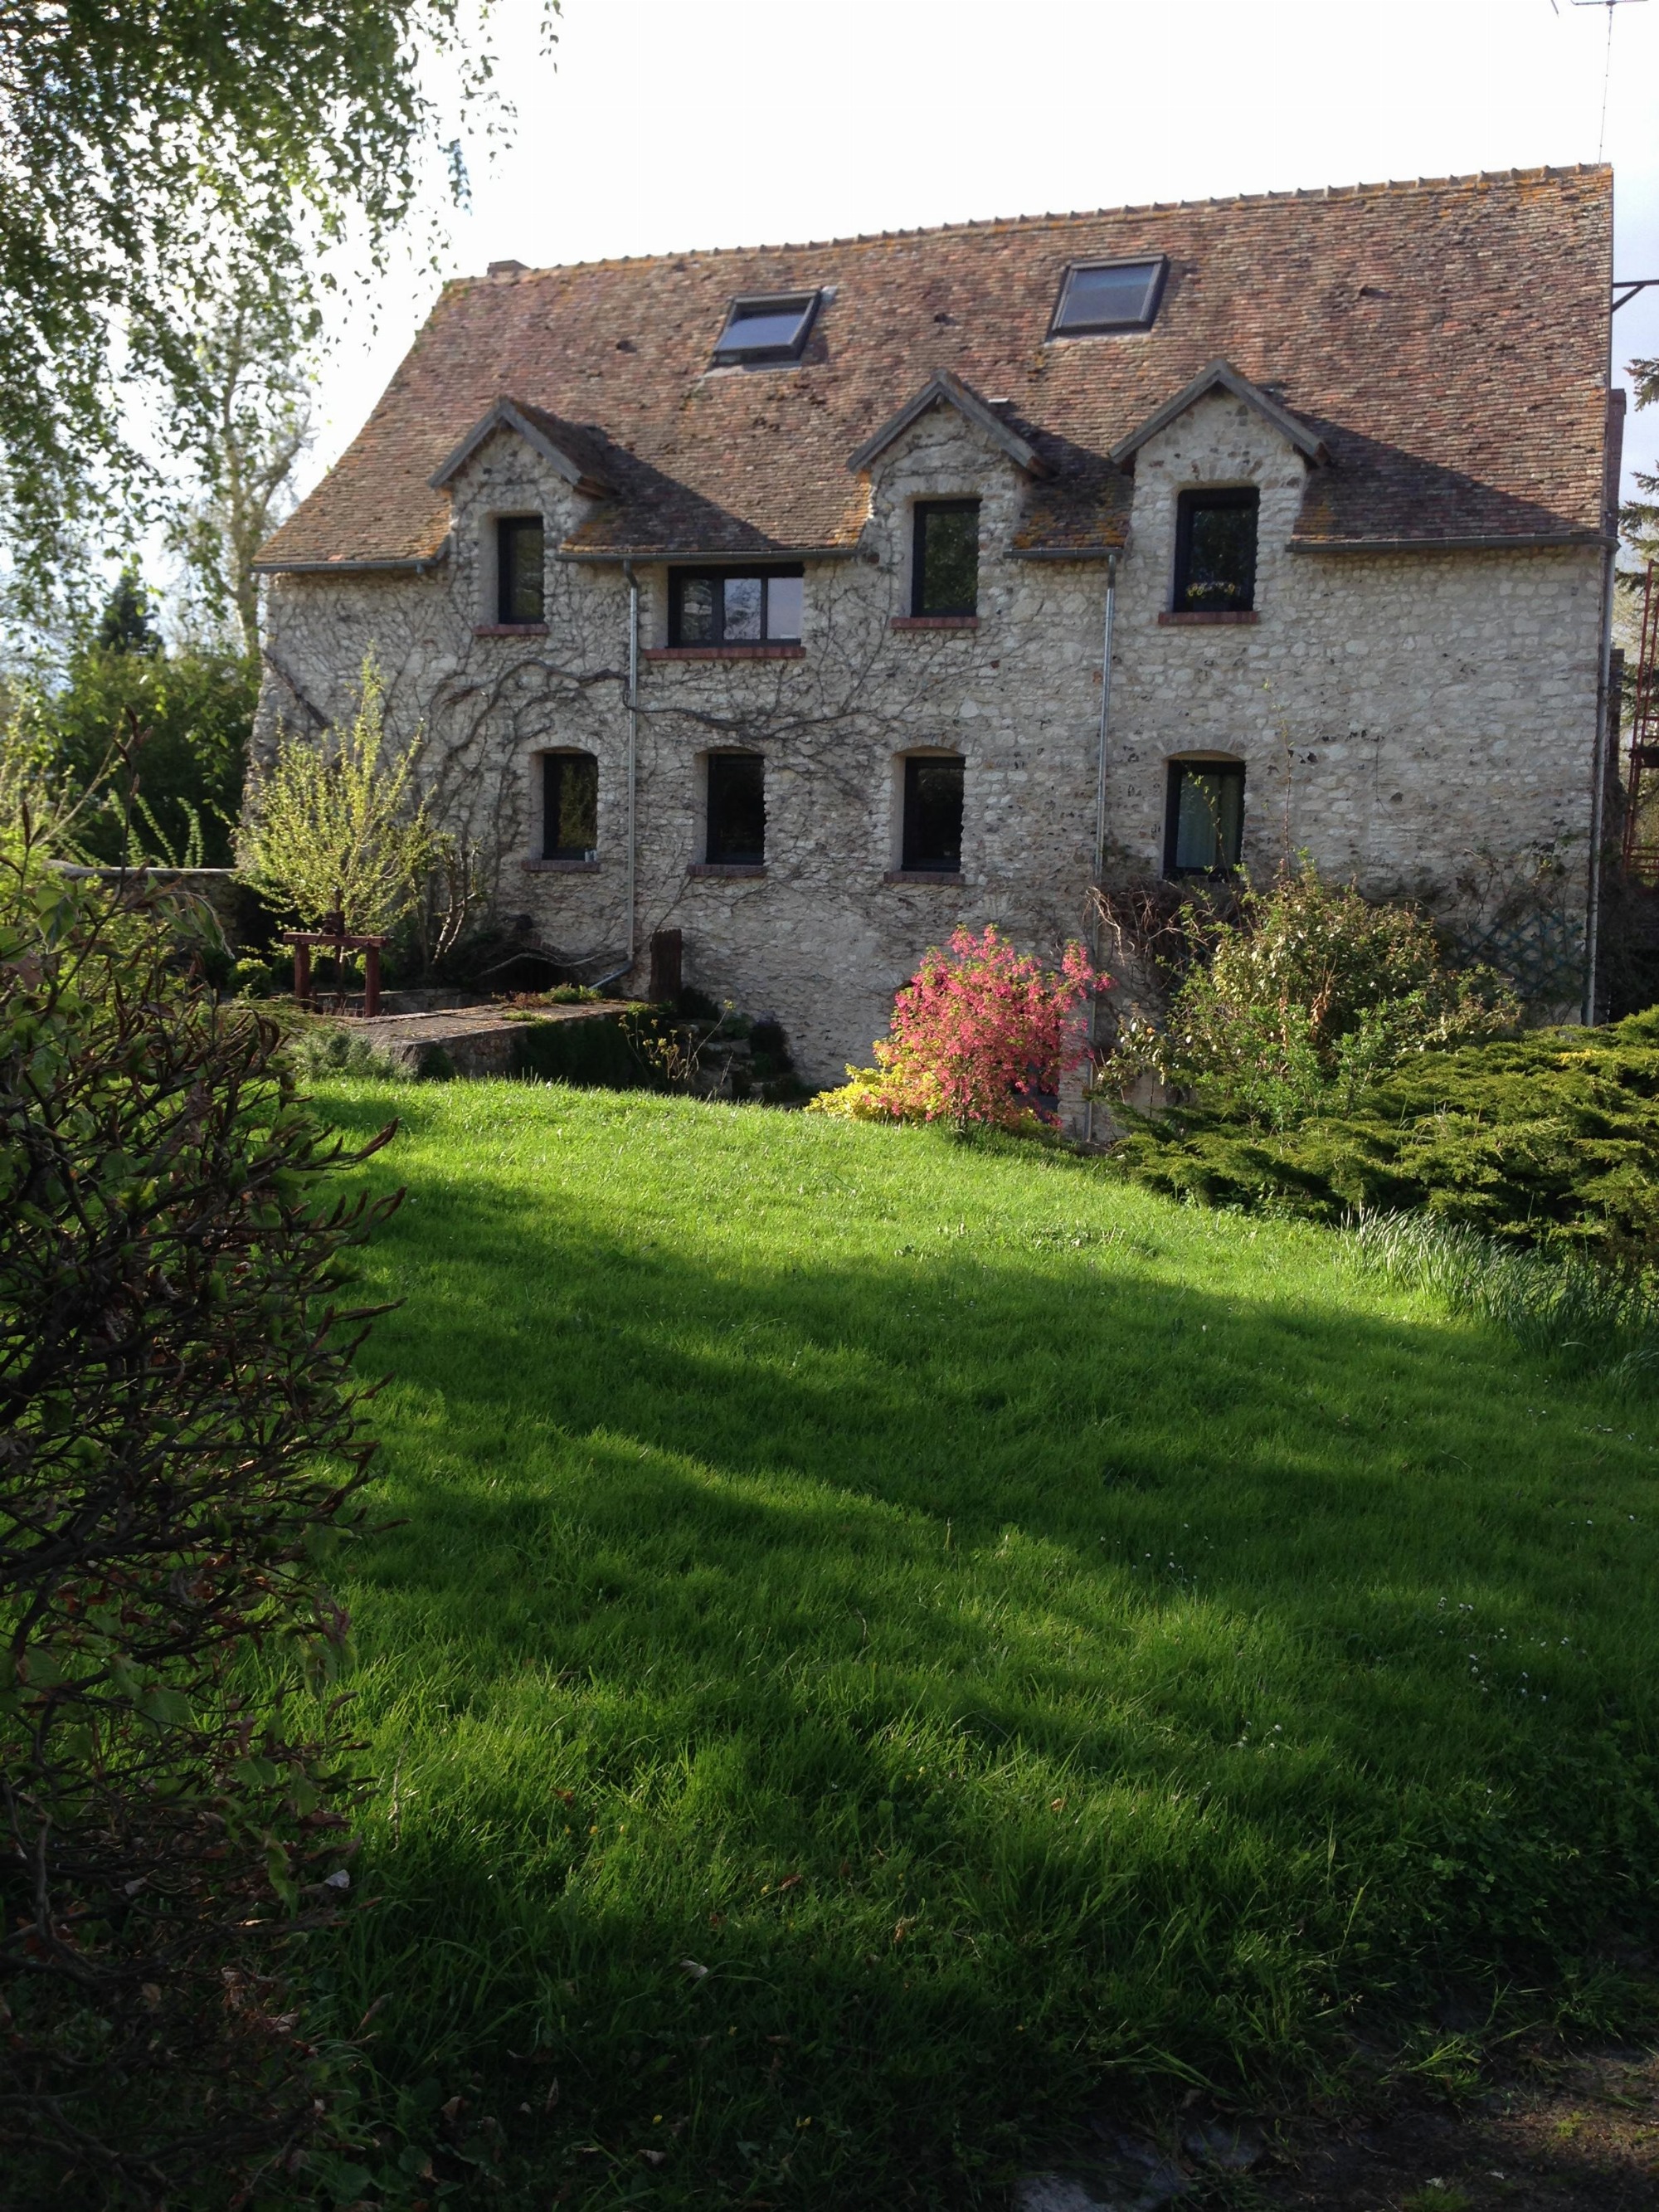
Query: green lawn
<point x="1020" y="1639"/>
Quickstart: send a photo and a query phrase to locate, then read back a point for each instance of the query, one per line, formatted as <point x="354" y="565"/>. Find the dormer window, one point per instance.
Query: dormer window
<point x="767" y="329"/>
<point x="521" y="562"/>
<point x="1108" y="296"/>
<point x="944" y="565"/>
<point x="1215" y="551"/>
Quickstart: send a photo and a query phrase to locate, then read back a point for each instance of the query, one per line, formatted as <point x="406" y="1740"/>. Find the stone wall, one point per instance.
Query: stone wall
<point x="1418" y="722"/>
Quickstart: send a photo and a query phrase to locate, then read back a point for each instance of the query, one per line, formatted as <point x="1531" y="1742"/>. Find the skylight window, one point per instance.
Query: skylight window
<point x="1108" y="296"/>
<point x="767" y="329"/>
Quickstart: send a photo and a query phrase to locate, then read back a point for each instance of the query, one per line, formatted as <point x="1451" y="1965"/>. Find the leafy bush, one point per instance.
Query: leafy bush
<point x="336" y="825"/>
<point x="1309" y="993"/>
<point x="179" y="725"/>
<point x="980" y="1036"/>
<point x="1551" y="1138"/>
<point x="181" y="1447"/>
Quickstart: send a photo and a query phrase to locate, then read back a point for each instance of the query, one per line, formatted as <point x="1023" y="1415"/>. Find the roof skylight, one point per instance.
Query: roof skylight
<point x="1108" y="296"/>
<point x="767" y="329"/>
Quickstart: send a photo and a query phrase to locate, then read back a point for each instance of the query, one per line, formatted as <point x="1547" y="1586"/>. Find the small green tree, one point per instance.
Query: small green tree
<point x="339" y="823"/>
<point x="1311" y="993"/>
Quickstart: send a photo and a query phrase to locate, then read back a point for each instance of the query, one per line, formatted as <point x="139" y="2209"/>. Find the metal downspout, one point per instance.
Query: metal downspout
<point x="632" y="748"/>
<point x="1598" y="787"/>
<point x="1099" y="868"/>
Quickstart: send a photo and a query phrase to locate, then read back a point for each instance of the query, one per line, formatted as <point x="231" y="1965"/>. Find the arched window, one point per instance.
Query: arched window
<point x="1204" y="817"/>
<point x="931" y="840"/>
<point x="570" y="807"/>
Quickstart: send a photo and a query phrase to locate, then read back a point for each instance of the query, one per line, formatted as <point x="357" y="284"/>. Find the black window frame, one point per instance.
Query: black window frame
<point x="716" y="768"/>
<point x="678" y="578"/>
<point x="1201" y="499"/>
<point x="728" y="355"/>
<point x="509" y="528"/>
<point x="1229" y="771"/>
<point x="1152" y="299"/>
<point x="910" y="861"/>
<point x="556" y="757"/>
<point x="924" y="508"/>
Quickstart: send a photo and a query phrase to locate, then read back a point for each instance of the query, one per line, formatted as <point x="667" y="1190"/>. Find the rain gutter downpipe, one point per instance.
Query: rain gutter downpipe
<point x="633" y="746"/>
<point x="1098" y="872"/>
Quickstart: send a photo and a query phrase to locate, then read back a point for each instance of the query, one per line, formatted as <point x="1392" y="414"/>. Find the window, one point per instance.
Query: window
<point x="737" y="810"/>
<point x="1205" y="825"/>
<point x="933" y="815"/>
<point x="570" y="807"/>
<point x="518" y="568"/>
<point x="1215" y="552"/>
<point x="945" y="573"/>
<point x="1108" y="296"/>
<point x="709" y="606"/>
<point x="767" y="329"/>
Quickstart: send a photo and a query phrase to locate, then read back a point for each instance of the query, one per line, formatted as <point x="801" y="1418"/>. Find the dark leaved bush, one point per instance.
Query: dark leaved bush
<point x="181" y="1449"/>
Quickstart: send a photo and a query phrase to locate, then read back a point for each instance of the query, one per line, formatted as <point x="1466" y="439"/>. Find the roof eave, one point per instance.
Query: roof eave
<point x="506" y="415"/>
<point x="1223" y="375"/>
<point x="943" y="389"/>
<point x="404" y="564"/>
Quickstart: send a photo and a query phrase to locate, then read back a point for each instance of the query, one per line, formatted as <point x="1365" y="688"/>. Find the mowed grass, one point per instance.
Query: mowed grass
<point x="891" y="1645"/>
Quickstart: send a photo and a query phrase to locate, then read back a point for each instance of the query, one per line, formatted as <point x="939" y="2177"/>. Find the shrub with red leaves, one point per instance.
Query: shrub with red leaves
<point x="181" y="1448"/>
<point x="983" y="1034"/>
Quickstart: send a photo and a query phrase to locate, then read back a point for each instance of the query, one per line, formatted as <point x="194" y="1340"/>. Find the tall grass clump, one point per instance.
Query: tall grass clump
<point x="1575" y="1309"/>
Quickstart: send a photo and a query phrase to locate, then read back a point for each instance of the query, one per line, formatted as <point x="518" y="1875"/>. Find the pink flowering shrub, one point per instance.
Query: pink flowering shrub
<point x="980" y="1034"/>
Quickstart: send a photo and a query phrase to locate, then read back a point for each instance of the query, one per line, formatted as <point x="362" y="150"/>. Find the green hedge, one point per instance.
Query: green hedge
<point x="1552" y="1138"/>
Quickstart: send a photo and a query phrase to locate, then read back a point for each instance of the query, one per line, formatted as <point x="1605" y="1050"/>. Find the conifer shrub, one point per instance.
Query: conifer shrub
<point x="181" y="1450"/>
<point x="1550" y="1140"/>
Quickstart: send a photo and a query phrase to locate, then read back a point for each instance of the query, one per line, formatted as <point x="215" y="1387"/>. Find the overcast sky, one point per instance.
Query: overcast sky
<point x="661" y="124"/>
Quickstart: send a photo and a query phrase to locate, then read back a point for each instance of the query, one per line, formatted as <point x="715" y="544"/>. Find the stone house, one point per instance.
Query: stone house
<point x="811" y="599"/>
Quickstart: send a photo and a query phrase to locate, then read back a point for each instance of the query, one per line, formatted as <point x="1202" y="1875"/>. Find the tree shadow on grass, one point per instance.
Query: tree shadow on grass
<point x="997" y="1671"/>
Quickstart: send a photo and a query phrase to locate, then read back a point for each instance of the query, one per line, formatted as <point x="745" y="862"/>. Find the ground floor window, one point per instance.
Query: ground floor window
<point x="932" y="814"/>
<point x="570" y="807"/>
<point x="737" y="810"/>
<point x="1204" y="822"/>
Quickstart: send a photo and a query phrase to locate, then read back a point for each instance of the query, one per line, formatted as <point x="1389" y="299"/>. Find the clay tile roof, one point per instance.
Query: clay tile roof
<point x="1445" y="342"/>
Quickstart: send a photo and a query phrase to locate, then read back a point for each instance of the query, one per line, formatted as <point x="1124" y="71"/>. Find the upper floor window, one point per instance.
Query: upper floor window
<point x="570" y="807"/>
<point x="714" y="606"/>
<point x="1204" y="822"/>
<point x="767" y="329"/>
<point x="1108" y="296"/>
<point x="1215" y="552"/>
<point x="944" y="572"/>
<point x="737" y="810"/>
<point x="932" y="843"/>
<point x="520" y="558"/>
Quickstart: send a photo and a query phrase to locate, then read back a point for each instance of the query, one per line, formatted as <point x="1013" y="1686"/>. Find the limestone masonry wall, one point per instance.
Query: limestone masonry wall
<point x="1418" y="722"/>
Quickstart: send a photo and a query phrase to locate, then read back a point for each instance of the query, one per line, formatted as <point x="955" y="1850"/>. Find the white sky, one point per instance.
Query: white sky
<point x="662" y="125"/>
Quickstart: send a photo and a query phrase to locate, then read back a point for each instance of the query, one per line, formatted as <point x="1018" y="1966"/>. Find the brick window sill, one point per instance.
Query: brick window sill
<point x="724" y="653"/>
<point x="509" y="629"/>
<point x="561" y="867"/>
<point x="726" y="868"/>
<point x="923" y="876"/>
<point x="1197" y="619"/>
<point x="932" y="622"/>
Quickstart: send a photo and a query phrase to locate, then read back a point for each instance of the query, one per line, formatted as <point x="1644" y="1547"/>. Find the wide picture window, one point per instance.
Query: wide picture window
<point x="717" y="607"/>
